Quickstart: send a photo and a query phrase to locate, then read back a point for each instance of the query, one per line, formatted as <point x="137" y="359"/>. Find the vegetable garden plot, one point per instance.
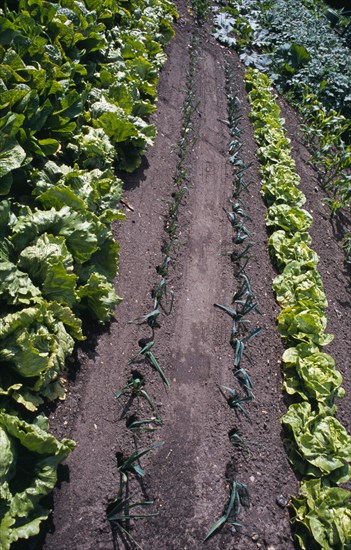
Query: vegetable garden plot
<point x="63" y="134"/>
<point x="169" y="447"/>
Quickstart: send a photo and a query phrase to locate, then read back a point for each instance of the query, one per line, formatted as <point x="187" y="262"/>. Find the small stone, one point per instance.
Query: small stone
<point x="282" y="501"/>
<point x="255" y="537"/>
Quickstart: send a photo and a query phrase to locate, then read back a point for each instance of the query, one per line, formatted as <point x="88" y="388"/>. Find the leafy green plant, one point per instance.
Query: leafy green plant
<point x="322" y="447"/>
<point x="312" y="374"/>
<point x="318" y="445"/>
<point x="29" y="460"/>
<point x="321" y="516"/>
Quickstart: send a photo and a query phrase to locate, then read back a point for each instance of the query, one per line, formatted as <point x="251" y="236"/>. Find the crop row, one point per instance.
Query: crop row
<point x="78" y="80"/>
<point x="318" y="445"/>
<point x="308" y="62"/>
<point x="243" y="303"/>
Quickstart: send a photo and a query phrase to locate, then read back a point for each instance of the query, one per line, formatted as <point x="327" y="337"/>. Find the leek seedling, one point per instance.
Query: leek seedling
<point x="239" y="345"/>
<point x="143" y="350"/>
<point x="118" y="513"/>
<point x="120" y="510"/>
<point x="154" y="363"/>
<point x="146" y="425"/>
<point x="239" y="496"/>
<point x="244" y="289"/>
<point x="149" y="318"/>
<point x="163" y="268"/>
<point x="236" y="440"/>
<point x="151" y="359"/>
<point x="235" y="401"/>
<point x="244" y="381"/>
<point x="159" y="291"/>
<point x="127" y="465"/>
<point x="236" y="257"/>
<point x="134" y="388"/>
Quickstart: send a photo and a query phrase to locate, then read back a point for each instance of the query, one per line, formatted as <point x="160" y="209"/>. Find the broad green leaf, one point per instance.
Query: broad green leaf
<point x="12" y="156"/>
<point x="321" y="445"/>
<point x="98" y="297"/>
<point x="322" y="514"/>
<point x="304" y="323"/>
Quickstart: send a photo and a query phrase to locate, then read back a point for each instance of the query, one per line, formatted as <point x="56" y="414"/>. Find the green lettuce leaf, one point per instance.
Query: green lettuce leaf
<point x="36" y="341"/>
<point x="321" y="514"/>
<point x="30" y="457"/>
<point x="299" y="284"/>
<point x="304" y="323"/>
<point x="289" y="218"/>
<point x="98" y="297"/>
<point x="286" y="249"/>
<point x="312" y="374"/>
<point x="83" y="232"/>
<point x="12" y="156"/>
<point x="50" y="266"/>
<point x="16" y="287"/>
<point x="320" y="445"/>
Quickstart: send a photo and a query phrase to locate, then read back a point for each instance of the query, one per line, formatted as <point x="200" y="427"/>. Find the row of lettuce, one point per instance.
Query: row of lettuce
<point x="77" y="84"/>
<point x="318" y="445"/>
<point x="293" y="43"/>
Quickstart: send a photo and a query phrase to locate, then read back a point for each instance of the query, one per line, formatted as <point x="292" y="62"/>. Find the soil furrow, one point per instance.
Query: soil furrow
<point x="188" y="476"/>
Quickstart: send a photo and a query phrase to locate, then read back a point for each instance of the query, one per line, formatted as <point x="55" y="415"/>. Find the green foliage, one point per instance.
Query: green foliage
<point x="321" y="516"/>
<point x="311" y="374"/>
<point x="29" y="460"/>
<point x="321" y="446"/>
<point x="77" y="83"/>
<point x="318" y="445"/>
<point x="311" y="65"/>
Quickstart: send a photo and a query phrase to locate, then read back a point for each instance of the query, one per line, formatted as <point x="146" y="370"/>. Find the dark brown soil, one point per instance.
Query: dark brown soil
<point x="187" y="477"/>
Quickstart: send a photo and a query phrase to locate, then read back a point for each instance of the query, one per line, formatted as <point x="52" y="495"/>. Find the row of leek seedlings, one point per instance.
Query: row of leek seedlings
<point x="319" y="447"/>
<point x="243" y="303"/>
<point x="122" y="511"/>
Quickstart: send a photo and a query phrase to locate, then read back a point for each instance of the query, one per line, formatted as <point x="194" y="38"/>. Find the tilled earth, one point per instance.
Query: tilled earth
<point x="188" y="476"/>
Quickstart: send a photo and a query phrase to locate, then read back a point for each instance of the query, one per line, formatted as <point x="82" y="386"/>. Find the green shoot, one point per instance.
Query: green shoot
<point x="128" y="464"/>
<point x="237" y="441"/>
<point x="234" y="400"/>
<point x="151" y="359"/>
<point x="134" y="388"/>
<point x="244" y="380"/>
<point x="149" y="318"/>
<point x="146" y="425"/>
<point x="144" y="349"/>
<point x="239" y="496"/>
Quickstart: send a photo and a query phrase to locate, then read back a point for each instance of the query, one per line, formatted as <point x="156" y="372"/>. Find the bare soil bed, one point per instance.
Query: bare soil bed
<point x="187" y="477"/>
